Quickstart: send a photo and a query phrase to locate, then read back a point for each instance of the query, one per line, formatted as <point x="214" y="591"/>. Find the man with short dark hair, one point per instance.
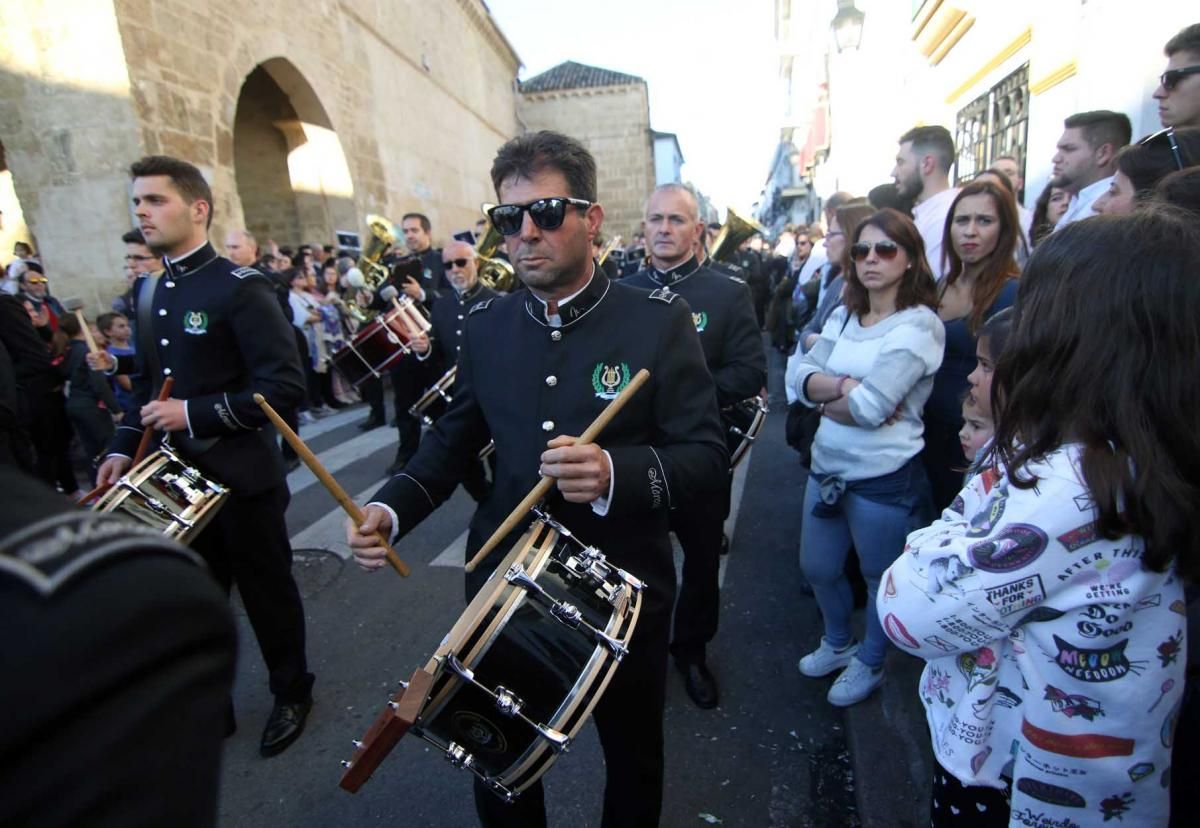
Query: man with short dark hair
<point x="1178" y="92"/>
<point x="217" y="331"/>
<point x="1086" y="159"/>
<point x="922" y="174"/>
<point x="537" y="367"/>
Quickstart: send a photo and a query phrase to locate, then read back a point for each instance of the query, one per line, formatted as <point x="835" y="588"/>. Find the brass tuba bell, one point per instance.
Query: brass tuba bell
<point x="494" y="272"/>
<point x="735" y="231"/>
<point x="381" y="239"/>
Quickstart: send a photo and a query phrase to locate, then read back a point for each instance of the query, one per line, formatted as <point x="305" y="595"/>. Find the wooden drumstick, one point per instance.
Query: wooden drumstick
<point x="543" y="486"/>
<point x="412" y="319"/>
<point x="87" y="332"/>
<point x="339" y="494"/>
<point x="164" y="394"/>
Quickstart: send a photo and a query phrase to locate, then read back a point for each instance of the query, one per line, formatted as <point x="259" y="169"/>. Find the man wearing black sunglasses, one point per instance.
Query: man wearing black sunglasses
<point x="1178" y="92"/>
<point x="724" y="316"/>
<point x="536" y="367"/>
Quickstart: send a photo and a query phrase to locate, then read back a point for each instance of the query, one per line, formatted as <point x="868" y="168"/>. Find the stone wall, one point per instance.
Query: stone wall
<point x="613" y="122"/>
<point x="384" y="108"/>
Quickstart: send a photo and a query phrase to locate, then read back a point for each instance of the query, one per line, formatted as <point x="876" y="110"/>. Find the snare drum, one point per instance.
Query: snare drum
<point x="376" y="347"/>
<point x="520" y="672"/>
<point x="167" y="494"/>
<point x="742" y="423"/>
<point x="434" y="402"/>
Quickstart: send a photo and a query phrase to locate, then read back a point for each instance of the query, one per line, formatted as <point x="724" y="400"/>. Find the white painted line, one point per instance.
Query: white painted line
<point x="341" y="418"/>
<point x="329" y="532"/>
<point x="454" y="555"/>
<point x="344" y="454"/>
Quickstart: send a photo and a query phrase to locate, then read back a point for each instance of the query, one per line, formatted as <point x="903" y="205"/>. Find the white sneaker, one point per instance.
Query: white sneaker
<point x="304" y="418"/>
<point x="825" y="660"/>
<point x="855" y="683"/>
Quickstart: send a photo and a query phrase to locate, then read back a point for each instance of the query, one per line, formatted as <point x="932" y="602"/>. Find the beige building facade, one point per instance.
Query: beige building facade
<point x="304" y="116"/>
<point x="609" y="112"/>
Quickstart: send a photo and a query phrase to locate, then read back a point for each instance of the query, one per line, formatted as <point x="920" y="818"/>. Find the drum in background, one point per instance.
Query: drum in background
<point x="376" y="347"/>
<point x="520" y="672"/>
<point x="742" y="423"/>
<point x="167" y="494"/>
<point x="434" y="402"/>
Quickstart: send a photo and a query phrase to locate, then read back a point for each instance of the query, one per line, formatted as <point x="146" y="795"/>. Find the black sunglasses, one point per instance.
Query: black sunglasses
<point x="885" y="250"/>
<point x="1170" y="78"/>
<point x="450" y="264"/>
<point x="547" y="213"/>
<point x="1169" y="132"/>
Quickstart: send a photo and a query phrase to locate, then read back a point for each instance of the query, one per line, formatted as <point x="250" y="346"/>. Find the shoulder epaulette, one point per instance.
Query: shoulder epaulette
<point x="481" y="306"/>
<point x="664" y="295"/>
<point x="737" y="279"/>
<point x="243" y="272"/>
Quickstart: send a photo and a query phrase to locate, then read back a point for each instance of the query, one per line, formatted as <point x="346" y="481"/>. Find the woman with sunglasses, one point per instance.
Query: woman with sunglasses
<point x="869" y="374"/>
<point x="1142" y="165"/>
<point x="1048" y="601"/>
<point x="981" y="237"/>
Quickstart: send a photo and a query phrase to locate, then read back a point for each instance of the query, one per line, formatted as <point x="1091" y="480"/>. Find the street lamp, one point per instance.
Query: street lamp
<point x="847" y="26"/>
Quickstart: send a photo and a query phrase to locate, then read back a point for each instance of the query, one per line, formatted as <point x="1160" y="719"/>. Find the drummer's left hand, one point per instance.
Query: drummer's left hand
<point x="167" y="415"/>
<point x="582" y="472"/>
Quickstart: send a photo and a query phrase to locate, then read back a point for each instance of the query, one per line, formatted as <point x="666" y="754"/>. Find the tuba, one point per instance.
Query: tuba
<point x="735" y="231"/>
<point x="494" y="272"/>
<point x="608" y="249"/>
<point x="381" y="237"/>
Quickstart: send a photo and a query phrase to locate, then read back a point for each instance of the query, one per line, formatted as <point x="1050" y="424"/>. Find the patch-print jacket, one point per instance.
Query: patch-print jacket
<point x="1055" y="660"/>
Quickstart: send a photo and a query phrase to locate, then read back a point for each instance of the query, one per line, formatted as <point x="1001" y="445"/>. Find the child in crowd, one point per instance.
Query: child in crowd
<point x="1048" y="599"/>
<point x="115" y="327"/>
<point x="976" y="431"/>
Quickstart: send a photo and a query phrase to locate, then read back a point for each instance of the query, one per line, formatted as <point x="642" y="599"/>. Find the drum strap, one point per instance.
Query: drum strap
<point x="145" y="332"/>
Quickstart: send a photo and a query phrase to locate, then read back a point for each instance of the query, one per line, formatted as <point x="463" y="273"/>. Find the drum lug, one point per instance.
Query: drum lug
<point x="498" y="789"/>
<point x="569" y="614"/>
<point x="559" y="742"/>
<point x="565" y="613"/>
<point x="459" y="669"/>
<point x="457" y="755"/>
<point x="507" y="702"/>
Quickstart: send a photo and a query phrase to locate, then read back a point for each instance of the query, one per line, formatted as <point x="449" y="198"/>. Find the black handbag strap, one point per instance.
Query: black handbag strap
<point x="145" y="332"/>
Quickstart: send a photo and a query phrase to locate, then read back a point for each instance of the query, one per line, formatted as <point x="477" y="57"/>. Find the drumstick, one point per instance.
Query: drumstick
<point x="87" y="332"/>
<point x="339" y="494"/>
<point x="163" y="395"/>
<point x="543" y="486"/>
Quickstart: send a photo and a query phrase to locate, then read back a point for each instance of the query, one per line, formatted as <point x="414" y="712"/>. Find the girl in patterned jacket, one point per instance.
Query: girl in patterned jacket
<point x="1048" y="599"/>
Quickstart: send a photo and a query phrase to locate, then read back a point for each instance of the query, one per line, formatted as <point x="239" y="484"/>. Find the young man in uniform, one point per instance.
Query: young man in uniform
<point x="531" y="374"/>
<point x="724" y="316"/>
<point x="217" y="329"/>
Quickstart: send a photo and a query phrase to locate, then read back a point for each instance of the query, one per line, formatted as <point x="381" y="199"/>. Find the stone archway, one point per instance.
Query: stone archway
<point x="12" y="220"/>
<point x="292" y="176"/>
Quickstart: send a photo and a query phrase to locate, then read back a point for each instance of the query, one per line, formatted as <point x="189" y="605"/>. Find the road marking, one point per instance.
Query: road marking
<point x="455" y="554"/>
<point x="340" y="456"/>
<point x="329" y="423"/>
<point x="329" y="532"/>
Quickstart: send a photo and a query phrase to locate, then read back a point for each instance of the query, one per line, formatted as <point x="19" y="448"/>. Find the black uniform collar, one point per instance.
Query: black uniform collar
<point x="676" y="274"/>
<point x="577" y="306"/>
<point x="467" y="296"/>
<point x="191" y="262"/>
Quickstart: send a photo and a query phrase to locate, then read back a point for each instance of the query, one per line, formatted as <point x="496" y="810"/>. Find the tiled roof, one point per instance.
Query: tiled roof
<point x="572" y="75"/>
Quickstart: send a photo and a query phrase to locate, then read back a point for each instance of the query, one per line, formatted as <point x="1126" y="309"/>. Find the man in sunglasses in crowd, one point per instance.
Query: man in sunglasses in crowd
<point x="724" y="316"/>
<point x="44" y="309"/>
<point x="536" y="368"/>
<point x="1086" y="159"/>
<point x="449" y="317"/>
<point x="1178" y="92"/>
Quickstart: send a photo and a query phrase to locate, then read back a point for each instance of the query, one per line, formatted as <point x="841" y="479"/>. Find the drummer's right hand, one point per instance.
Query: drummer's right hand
<point x="111" y="469"/>
<point x="420" y="343"/>
<point x="364" y="538"/>
<point x="101" y="361"/>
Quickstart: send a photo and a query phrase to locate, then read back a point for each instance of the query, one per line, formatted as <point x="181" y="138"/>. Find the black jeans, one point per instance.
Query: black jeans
<point x="699" y="526"/>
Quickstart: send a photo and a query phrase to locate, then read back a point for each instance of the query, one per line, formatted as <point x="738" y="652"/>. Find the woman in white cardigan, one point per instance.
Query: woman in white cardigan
<point x="869" y="374"/>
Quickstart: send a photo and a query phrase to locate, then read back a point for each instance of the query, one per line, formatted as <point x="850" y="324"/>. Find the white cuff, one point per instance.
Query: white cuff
<point x="422" y="299"/>
<point x="600" y="504"/>
<point x="422" y="357"/>
<point x="188" y="420"/>
<point x="391" y="514"/>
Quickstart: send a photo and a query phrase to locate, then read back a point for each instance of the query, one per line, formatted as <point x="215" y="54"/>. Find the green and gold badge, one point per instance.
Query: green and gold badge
<point x="195" y="322"/>
<point x="610" y="380"/>
<point x="700" y="320"/>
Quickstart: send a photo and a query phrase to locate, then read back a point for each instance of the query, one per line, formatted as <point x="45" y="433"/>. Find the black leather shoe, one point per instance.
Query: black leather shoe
<point x="284" y="726"/>
<point x="370" y="423"/>
<point x="700" y="685"/>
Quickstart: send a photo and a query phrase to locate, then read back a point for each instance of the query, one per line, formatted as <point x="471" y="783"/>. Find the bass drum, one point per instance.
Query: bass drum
<point x="520" y="672"/>
<point x="167" y="494"/>
<point x="375" y="348"/>
<point x="742" y="423"/>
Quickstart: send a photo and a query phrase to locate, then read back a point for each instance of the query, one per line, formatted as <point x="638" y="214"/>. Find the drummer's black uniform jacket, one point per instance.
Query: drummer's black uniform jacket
<point x="524" y="382"/>
<point x="449" y="320"/>
<point x="218" y="330"/>
<point x="723" y="313"/>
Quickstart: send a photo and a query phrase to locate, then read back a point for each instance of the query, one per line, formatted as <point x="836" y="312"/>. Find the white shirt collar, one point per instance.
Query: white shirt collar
<point x="1081" y="205"/>
<point x="937" y="201"/>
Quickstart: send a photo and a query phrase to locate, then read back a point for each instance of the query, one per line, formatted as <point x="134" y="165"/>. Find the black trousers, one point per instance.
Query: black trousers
<point x="50" y="432"/>
<point x="699" y="527"/>
<point x="408" y="384"/>
<point x="629" y="719"/>
<point x="247" y="544"/>
<point x="372" y="393"/>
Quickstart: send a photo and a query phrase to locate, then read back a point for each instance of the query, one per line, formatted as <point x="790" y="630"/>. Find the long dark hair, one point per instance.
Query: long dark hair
<point x="1040" y="226"/>
<point x="916" y="286"/>
<point x="1104" y="337"/>
<point x="1000" y="265"/>
<point x="1152" y="159"/>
